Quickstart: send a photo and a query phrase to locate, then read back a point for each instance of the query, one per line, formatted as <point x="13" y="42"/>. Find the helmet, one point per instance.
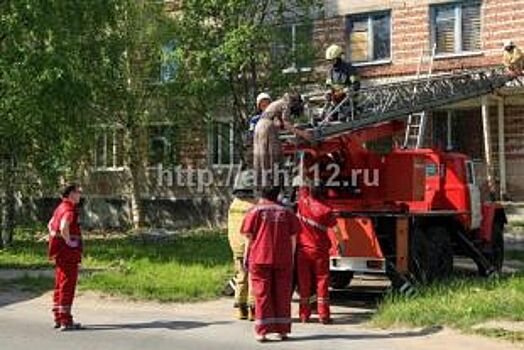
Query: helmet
<point x="262" y="96"/>
<point x="333" y="52"/>
<point x="508" y="44"/>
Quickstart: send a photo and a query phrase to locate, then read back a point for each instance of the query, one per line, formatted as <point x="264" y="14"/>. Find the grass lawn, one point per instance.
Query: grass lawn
<point x="188" y="267"/>
<point x="457" y="303"/>
<point x="460" y="303"/>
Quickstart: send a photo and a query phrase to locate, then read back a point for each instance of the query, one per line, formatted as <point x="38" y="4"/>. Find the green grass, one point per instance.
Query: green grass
<point x="29" y="284"/>
<point x="458" y="303"/>
<point x="500" y="333"/>
<point x="514" y="255"/>
<point x="516" y="223"/>
<point x="188" y="267"/>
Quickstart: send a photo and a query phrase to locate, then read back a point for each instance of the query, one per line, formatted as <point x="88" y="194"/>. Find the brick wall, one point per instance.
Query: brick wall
<point x="501" y="19"/>
<point x="410" y="25"/>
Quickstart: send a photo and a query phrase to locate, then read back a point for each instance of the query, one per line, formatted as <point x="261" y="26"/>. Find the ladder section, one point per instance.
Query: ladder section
<point x="416" y="123"/>
<point x="396" y="100"/>
<point x="415" y="130"/>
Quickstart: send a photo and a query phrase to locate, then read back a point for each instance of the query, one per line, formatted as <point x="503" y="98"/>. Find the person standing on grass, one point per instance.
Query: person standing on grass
<point x="65" y="249"/>
<point x="271" y="231"/>
<point x="243" y="201"/>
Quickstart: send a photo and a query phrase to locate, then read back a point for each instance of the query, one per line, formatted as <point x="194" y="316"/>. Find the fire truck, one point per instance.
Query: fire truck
<point x="405" y="212"/>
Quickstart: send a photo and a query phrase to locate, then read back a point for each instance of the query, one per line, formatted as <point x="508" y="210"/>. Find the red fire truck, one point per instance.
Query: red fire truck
<point x="409" y="210"/>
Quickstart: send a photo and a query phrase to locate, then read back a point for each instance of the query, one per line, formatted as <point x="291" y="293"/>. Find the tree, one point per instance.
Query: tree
<point x="233" y="49"/>
<point x="49" y="66"/>
<point x="132" y="94"/>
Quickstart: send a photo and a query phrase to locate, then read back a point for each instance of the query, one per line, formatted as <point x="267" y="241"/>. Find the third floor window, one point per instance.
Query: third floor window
<point x="455" y="28"/>
<point x="369" y="37"/>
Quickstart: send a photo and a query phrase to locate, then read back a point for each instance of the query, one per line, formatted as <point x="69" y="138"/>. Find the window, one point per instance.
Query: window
<point x="455" y="28"/>
<point x="161" y="149"/>
<point x="224" y="146"/>
<point x="109" y="150"/>
<point x="292" y="48"/>
<point x="369" y="37"/>
<point x="460" y="130"/>
<point x="169" y="65"/>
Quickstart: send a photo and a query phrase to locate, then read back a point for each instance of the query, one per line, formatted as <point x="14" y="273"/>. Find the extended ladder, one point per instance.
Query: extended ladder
<point x="416" y="123"/>
<point x="386" y="102"/>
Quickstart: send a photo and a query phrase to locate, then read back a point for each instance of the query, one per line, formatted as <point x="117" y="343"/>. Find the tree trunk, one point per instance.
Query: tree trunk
<point x="137" y="169"/>
<point x="8" y="201"/>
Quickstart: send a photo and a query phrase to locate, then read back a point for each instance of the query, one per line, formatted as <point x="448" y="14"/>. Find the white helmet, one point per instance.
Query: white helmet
<point x="263" y="96"/>
<point x="333" y="52"/>
<point x="508" y="44"/>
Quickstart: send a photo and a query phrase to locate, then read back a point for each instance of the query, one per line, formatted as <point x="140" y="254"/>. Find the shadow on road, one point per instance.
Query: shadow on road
<point x="13" y="296"/>
<point x="392" y="335"/>
<point x="358" y="297"/>
<point x="167" y="325"/>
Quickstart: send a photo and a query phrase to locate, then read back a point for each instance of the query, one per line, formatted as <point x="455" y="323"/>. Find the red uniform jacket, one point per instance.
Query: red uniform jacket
<point x="58" y="249"/>
<point x="271" y="227"/>
<point x="316" y="217"/>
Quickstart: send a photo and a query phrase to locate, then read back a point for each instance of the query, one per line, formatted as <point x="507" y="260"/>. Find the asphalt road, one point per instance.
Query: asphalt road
<point x="114" y="324"/>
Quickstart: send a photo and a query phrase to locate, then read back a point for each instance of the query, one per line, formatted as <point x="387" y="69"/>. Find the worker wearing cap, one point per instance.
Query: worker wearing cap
<point x="271" y="231"/>
<point x="313" y="245"/>
<point x="513" y="58"/>
<point x="65" y="249"/>
<point x="244" y="200"/>
<point x="267" y="152"/>
<point x="342" y="77"/>
<point x="263" y="100"/>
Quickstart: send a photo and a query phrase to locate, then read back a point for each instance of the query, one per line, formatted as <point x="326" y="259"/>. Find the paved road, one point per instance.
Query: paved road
<point x="114" y="324"/>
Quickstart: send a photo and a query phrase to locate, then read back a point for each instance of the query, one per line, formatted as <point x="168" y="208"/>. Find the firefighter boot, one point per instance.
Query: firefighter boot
<point x="242" y="312"/>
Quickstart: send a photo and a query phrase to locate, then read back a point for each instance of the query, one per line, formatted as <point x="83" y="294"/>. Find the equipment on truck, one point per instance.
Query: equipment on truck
<point x="406" y="212"/>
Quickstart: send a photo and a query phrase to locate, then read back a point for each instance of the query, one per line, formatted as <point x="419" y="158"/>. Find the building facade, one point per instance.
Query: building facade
<point x="386" y="40"/>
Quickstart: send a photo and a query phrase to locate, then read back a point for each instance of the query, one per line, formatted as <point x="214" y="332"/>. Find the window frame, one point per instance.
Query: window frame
<point x="294" y="67"/>
<point x="114" y="149"/>
<point x="167" y="144"/>
<point x="218" y="152"/>
<point x="371" y="38"/>
<point x="168" y="70"/>
<point x="458" y="30"/>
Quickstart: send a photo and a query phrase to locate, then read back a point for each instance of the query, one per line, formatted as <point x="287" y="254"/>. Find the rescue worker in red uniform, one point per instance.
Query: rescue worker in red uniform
<point x="65" y="249"/>
<point x="271" y="231"/>
<point x="313" y="245"/>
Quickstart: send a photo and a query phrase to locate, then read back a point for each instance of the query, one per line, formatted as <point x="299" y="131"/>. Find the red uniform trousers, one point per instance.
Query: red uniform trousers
<point x="66" y="277"/>
<point x="66" y="260"/>
<point x="313" y="271"/>
<point x="272" y="292"/>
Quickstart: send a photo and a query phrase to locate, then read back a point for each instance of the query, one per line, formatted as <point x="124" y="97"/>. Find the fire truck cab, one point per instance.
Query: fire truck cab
<point x="408" y="210"/>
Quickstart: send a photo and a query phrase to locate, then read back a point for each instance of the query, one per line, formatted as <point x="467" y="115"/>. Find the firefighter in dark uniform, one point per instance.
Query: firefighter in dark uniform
<point x="342" y="79"/>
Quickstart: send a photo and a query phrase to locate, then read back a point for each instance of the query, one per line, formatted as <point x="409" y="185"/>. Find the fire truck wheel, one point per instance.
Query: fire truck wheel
<point x="495" y="254"/>
<point x="339" y="280"/>
<point x="431" y="254"/>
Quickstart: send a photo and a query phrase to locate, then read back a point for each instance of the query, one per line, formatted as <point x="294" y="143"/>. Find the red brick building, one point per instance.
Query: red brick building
<point x="386" y="39"/>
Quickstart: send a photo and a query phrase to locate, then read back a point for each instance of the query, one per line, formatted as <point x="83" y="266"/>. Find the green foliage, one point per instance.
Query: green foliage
<point x="48" y="69"/>
<point x="189" y="267"/>
<point x="227" y="49"/>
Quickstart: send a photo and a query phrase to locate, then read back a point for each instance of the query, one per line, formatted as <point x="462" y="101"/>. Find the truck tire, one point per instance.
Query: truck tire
<point x="431" y="254"/>
<point x="495" y="253"/>
<point x="339" y="280"/>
